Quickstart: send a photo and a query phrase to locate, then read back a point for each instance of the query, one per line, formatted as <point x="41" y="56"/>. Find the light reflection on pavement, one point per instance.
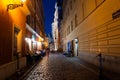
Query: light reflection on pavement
<point x="58" y="67"/>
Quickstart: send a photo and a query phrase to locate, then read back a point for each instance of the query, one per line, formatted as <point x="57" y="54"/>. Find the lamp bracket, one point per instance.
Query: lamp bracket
<point x="13" y="6"/>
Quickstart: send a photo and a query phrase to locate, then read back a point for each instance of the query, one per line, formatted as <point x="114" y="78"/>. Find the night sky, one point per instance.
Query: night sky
<point x="49" y="9"/>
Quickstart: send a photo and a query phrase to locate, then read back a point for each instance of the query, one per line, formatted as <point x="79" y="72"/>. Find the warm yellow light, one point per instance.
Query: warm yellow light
<point x="23" y="1"/>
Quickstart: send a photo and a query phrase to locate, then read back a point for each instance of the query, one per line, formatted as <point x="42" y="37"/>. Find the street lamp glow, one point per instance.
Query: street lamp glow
<point x="23" y="1"/>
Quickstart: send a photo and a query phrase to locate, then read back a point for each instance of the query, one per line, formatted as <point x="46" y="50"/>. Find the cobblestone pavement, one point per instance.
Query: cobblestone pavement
<point x="58" y="67"/>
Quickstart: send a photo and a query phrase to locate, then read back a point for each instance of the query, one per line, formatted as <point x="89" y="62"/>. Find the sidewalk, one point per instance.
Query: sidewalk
<point x="108" y="75"/>
<point x="23" y="72"/>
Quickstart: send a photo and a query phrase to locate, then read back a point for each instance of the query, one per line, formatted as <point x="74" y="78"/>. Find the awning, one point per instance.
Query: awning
<point x="32" y="31"/>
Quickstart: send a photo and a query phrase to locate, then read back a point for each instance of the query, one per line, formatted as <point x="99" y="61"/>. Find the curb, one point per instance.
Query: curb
<point x="28" y="71"/>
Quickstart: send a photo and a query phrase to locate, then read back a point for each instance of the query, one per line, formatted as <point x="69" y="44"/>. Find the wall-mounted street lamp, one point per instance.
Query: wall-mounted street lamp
<point x="13" y="6"/>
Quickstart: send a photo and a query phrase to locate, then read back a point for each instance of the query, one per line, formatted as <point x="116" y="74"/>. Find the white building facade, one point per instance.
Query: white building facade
<point x="91" y="27"/>
<point x="55" y="28"/>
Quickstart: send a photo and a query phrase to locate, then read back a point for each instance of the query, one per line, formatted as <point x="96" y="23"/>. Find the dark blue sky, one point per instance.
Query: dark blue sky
<point x="49" y="8"/>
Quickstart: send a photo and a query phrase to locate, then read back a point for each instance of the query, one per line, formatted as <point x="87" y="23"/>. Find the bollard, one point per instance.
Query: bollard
<point x="18" y="63"/>
<point x="100" y="66"/>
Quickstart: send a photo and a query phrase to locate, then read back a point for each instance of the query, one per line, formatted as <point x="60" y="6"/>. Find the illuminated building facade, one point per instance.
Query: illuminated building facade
<point x="20" y="24"/>
<point x="12" y="29"/>
<point x="55" y="27"/>
<point x="35" y="27"/>
<point x="90" y="27"/>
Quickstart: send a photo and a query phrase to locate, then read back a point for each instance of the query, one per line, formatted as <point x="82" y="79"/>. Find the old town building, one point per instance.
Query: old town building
<point x="91" y="27"/>
<point x="20" y="23"/>
<point x="35" y="27"/>
<point x="55" y="28"/>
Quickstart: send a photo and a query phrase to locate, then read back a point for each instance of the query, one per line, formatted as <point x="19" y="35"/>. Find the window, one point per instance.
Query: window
<point x="16" y="32"/>
<point x="68" y="11"/>
<point x="69" y="29"/>
<point x="74" y="0"/>
<point x="66" y="33"/>
<point x="76" y="20"/>
<point x="71" y="4"/>
<point x="28" y="19"/>
<point x="71" y="26"/>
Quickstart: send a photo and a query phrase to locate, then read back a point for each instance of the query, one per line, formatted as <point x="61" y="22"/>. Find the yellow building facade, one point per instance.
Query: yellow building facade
<point x="14" y="31"/>
<point x="91" y="27"/>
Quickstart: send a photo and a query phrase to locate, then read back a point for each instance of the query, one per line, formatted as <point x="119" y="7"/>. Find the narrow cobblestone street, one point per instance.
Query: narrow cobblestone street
<point x="59" y="67"/>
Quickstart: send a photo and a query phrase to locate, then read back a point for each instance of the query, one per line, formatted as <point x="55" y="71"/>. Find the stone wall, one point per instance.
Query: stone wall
<point x="8" y="69"/>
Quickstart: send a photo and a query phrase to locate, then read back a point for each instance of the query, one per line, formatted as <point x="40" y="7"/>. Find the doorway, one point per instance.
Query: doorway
<point x="76" y="47"/>
<point x="17" y="40"/>
<point x="16" y="31"/>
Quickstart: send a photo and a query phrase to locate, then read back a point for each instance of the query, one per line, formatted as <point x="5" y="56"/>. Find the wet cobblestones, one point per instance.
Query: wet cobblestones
<point x="58" y="67"/>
